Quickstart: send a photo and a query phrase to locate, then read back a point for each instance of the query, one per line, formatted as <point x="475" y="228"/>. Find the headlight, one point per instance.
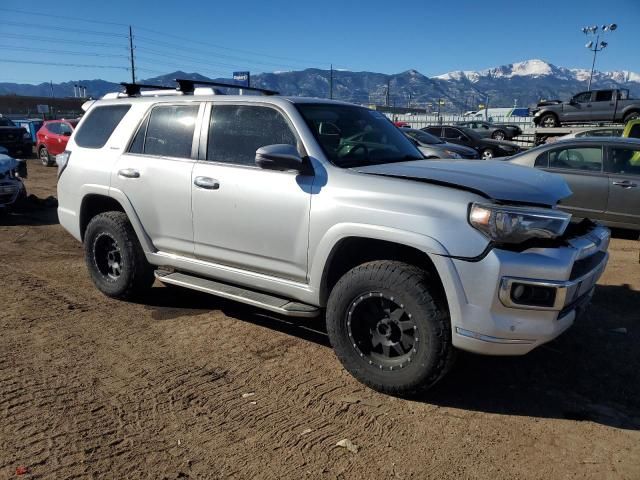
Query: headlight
<point x="452" y="154"/>
<point x="507" y="224"/>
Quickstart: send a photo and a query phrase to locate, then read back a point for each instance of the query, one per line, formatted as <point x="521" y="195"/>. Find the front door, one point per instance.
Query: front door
<point x="581" y="167"/>
<point x="602" y="106"/>
<point x="580" y="109"/>
<point x="244" y="216"/>
<point x="155" y="174"/>
<point x="623" y="167"/>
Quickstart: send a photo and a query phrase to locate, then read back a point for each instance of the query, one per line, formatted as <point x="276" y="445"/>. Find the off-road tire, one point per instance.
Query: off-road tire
<point x="420" y="295"/>
<point x="45" y="158"/>
<point x="136" y="273"/>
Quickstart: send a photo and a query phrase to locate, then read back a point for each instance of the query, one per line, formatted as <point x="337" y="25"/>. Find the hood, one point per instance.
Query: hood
<point x="496" y="143"/>
<point x="7" y="163"/>
<point x="454" y="147"/>
<point x="492" y="179"/>
<point x="544" y="103"/>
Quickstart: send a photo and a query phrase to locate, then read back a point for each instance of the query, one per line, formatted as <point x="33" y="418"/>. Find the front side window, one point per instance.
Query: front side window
<point x="437" y="131"/>
<point x="451" y="133"/>
<point x="5" y="122"/>
<point x="354" y="136"/>
<point x="587" y="159"/>
<point x="237" y="131"/>
<point x="65" y="129"/>
<point x="583" y="97"/>
<point x="624" y="160"/>
<point x="168" y="133"/>
<point x="99" y="125"/>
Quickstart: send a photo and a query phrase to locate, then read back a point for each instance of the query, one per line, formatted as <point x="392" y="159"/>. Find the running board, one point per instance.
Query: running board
<point x="267" y="301"/>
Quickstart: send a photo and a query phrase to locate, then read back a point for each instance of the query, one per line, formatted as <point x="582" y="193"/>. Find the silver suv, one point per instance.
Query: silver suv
<point x="307" y="206"/>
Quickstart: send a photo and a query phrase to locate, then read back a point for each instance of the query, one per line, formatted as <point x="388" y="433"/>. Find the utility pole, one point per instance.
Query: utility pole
<point x="51" y="87"/>
<point x="331" y="82"/>
<point x="133" y="65"/>
<point x="387" y="95"/>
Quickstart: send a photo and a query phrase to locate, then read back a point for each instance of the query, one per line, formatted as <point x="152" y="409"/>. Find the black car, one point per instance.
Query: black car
<point x="14" y="138"/>
<point x="492" y="130"/>
<point x="433" y="147"/>
<point x="465" y="136"/>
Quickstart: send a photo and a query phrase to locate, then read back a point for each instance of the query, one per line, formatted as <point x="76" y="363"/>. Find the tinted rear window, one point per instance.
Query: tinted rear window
<point x="99" y="125"/>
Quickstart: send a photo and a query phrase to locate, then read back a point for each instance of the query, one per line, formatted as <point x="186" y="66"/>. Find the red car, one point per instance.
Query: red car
<point x="52" y="139"/>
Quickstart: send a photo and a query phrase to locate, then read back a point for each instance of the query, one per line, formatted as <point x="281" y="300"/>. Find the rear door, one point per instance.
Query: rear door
<point x="155" y="174"/>
<point x="582" y="168"/>
<point x="602" y="106"/>
<point x="623" y="169"/>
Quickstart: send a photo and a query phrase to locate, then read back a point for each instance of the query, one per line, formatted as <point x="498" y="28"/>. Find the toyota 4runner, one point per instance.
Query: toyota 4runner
<point x="307" y="206"/>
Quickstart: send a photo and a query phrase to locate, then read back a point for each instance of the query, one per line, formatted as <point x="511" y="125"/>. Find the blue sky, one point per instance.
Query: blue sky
<point x="215" y="38"/>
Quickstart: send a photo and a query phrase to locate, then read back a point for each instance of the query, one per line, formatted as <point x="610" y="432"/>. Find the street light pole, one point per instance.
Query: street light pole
<point x="598" y="45"/>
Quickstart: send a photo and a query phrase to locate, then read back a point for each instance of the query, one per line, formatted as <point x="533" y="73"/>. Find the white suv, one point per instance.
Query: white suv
<point x="302" y="206"/>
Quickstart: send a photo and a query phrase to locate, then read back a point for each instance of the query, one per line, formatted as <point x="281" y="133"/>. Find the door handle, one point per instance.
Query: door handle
<point x="625" y="184"/>
<point x="129" y="173"/>
<point x="207" y="183"/>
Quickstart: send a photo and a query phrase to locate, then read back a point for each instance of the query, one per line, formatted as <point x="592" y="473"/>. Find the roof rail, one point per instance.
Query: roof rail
<point x="186" y="85"/>
<point x="132" y="89"/>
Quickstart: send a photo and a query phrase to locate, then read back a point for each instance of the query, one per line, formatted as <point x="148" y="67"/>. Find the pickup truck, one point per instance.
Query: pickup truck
<point x="613" y="105"/>
<point x="14" y="138"/>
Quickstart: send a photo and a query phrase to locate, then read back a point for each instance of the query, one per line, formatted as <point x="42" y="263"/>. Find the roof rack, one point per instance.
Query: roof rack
<point x="186" y="85"/>
<point x="132" y="89"/>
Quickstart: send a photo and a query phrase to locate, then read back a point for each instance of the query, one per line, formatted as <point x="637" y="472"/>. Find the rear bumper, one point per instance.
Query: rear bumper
<point x="486" y="319"/>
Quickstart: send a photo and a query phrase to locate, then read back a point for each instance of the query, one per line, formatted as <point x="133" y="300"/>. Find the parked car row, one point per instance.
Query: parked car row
<point x="486" y="147"/>
<point x="50" y="138"/>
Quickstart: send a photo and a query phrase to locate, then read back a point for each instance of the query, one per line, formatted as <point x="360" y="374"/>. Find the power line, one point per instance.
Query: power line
<point x="63" y="29"/>
<point x="30" y="14"/>
<point x="56" y="64"/>
<point x="61" y="52"/>
<point x="181" y="48"/>
<point x="74" y="42"/>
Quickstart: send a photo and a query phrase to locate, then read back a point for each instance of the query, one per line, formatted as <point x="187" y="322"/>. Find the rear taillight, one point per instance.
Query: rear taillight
<point x="62" y="160"/>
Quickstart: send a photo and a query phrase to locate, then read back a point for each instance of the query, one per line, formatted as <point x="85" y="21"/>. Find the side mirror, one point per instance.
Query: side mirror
<point x="279" y="157"/>
<point x="460" y="137"/>
<point x="66" y="134"/>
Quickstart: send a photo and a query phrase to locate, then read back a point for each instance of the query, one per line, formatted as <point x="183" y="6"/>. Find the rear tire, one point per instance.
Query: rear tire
<point x="45" y="158"/>
<point x="115" y="258"/>
<point x="390" y="327"/>
<point x="631" y="116"/>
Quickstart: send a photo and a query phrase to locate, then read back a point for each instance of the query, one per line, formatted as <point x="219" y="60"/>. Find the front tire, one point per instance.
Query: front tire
<point x="115" y="258"/>
<point x="549" y="120"/>
<point x="390" y="327"/>
<point x="487" y="154"/>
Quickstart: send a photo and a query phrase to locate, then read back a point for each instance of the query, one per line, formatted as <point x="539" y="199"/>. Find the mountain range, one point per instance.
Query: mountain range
<point x="521" y="83"/>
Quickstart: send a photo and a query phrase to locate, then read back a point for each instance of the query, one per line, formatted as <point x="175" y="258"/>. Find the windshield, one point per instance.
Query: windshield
<point x="355" y="136"/>
<point x="5" y="122"/>
<point x="424" y="137"/>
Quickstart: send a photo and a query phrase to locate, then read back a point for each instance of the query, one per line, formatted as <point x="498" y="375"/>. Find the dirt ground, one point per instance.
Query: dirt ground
<point x="185" y="385"/>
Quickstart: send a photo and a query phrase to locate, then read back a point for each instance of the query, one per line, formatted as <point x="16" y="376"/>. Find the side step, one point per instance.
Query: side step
<point x="267" y="301"/>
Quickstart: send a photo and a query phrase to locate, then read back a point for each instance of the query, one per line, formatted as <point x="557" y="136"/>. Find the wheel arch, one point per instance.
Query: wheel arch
<point x="351" y="251"/>
<point x="95" y="203"/>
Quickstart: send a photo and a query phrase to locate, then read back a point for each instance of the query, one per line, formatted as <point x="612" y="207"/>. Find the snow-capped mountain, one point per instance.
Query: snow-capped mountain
<point x="524" y="83"/>
<point x="537" y="68"/>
